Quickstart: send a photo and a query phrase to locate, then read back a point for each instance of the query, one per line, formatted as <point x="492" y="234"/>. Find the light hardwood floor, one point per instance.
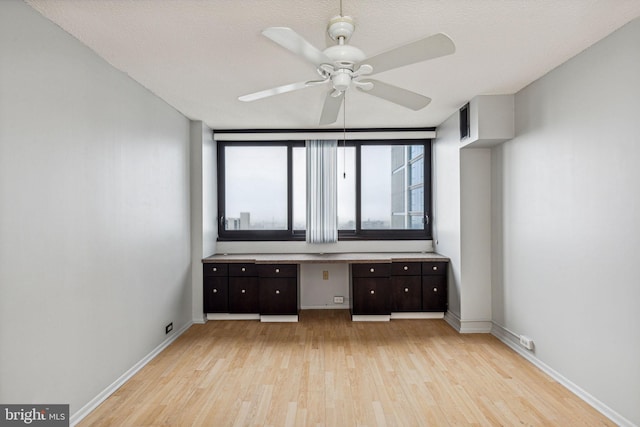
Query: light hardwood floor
<point x="328" y="371"/>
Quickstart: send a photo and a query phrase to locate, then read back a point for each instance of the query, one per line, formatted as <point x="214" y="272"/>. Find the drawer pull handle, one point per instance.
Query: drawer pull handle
<point x="405" y="268"/>
<point x="243" y="291"/>
<point x="277" y="291"/>
<point x="435" y="289"/>
<point x="372" y="292"/>
<point x="243" y="269"/>
<point x="435" y="267"/>
<point x="215" y="269"/>
<point x="372" y="270"/>
<point x="406" y="289"/>
<point x="277" y="270"/>
<point x="215" y="291"/>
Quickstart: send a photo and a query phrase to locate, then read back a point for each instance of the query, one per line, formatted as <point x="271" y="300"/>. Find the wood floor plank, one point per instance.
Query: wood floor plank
<point x="328" y="371"/>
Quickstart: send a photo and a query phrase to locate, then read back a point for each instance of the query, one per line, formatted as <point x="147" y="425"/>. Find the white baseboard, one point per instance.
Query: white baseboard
<point x="93" y="403"/>
<point x="468" y="326"/>
<point x="417" y="315"/>
<point x="512" y="340"/>
<point x="279" y="318"/>
<point x="370" y="317"/>
<point x="201" y="320"/>
<point x="453" y="320"/>
<point x="233" y="316"/>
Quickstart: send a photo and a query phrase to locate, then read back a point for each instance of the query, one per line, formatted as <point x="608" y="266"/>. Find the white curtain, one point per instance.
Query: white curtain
<point x="322" y="191"/>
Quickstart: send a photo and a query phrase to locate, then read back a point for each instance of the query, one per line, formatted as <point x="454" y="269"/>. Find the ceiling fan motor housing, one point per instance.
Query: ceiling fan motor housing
<point x="344" y="56"/>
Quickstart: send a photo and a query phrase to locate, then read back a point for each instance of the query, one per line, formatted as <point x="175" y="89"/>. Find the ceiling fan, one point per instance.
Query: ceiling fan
<point x="345" y="66"/>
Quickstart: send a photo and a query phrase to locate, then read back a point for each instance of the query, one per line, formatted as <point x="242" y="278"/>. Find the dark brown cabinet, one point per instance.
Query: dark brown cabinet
<point x="406" y="287"/>
<point x="398" y="287"/>
<point x="243" y="288"/>
<point x="278" y="289"/>
<point x="247" y="288"/>
<point x="370" y="289"/>
<point x="434" y="286"/>
<point x="216" y="288"/>
<point x="406" y="293"/>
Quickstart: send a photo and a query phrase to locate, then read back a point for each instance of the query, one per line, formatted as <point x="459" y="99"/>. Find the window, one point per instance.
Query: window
<point x="255" y="197"/>
<point x="383" y="189"/>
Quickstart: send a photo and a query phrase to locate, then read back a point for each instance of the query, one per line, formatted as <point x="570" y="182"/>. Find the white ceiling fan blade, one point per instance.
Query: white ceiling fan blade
<point x="331" y="108"/>
<point x="275" y="91"/>
<point x="294" y="42"/>
<point x="397" y="95"/>
<point x="421" y="50"/>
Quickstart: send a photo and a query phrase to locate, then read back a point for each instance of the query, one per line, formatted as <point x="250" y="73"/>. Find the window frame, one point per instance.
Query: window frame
<point x="256" y="235"/>
<point x="343" y="235"/>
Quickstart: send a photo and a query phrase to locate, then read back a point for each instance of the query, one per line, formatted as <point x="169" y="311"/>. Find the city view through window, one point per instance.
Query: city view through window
<point x="392" y="187"/>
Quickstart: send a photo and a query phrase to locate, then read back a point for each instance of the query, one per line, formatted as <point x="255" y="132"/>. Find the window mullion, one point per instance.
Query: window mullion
<point x="290" y="188"/>
<point x="358" y="177"/>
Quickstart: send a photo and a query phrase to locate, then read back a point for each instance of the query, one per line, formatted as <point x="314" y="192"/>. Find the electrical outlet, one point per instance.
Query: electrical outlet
<point x="325" y="275"/>
<point x="338" y="300"/>
<point x="526" y="342"/>
<point x="168" y="328"/>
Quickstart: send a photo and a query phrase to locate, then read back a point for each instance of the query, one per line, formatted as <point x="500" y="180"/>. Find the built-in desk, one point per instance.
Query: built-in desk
<point x="383" y="285"/>
<point x="327" y="258"/>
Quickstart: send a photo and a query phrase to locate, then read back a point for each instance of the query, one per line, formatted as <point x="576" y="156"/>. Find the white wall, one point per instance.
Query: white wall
<point x="94" y="216"/>
<point x="318" y="293"/>
<point x="203" y="208"/>
<point x="475" y="226"/>
<point x="446" y="205"/>
<point x="462" y="226"/>
<point x="567" y="221"/>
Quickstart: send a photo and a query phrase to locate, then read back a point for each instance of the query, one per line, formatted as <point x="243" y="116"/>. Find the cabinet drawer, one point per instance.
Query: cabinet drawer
<point x="434" y="268"/>
<point x="278" y="270"/>
<point x="213" y="269"/>
<point x="406" y="269"/>
<point x="239" y="270"/>
<point x="371" y="270"/>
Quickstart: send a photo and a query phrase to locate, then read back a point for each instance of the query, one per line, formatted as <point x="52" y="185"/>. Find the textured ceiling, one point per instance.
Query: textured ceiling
<point x="200" y="55"/>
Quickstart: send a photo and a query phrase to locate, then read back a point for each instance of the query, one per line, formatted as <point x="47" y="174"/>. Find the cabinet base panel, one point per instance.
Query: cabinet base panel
<point x="233" y="316"/>
<point x="417" y="315"/>
<point x="370" y="317"/>
<point x="279" y="318"/>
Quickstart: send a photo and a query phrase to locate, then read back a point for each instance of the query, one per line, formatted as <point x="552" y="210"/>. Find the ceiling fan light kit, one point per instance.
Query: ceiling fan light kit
<point x="344" y="66"/>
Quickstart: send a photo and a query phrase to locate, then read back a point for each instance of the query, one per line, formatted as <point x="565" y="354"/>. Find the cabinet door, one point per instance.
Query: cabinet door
<point x="406" y="293"/>
<point x="278" y="296"/>
<point x="216" y="294"/>
<point x="370" y="295"/>
<point x="434" y="293"/>
<point x="243" y="295"/>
